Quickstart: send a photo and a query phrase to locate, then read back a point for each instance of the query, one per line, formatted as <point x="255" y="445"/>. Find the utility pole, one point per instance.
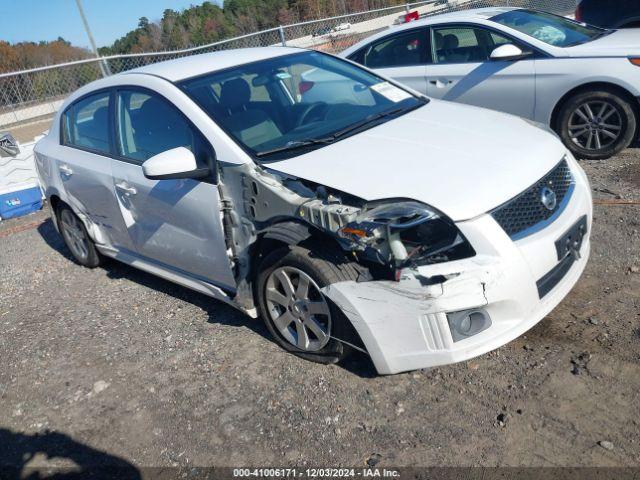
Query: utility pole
<point x="104" y="68"/>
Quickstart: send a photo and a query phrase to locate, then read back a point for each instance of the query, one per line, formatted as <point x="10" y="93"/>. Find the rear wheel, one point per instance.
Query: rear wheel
<point x="597" y="125"/>
<point x="77" y="239"/>
<point x="300" y="318"/>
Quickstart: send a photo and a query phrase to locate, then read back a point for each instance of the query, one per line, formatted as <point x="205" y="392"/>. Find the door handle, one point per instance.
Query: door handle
<point x="440" y="83"/>
<point x="65" y="170"/>
<point x="126" y="189"/>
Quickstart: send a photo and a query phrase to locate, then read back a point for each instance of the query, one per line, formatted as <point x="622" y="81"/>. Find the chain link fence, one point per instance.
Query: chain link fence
<point x="31" y="97"/>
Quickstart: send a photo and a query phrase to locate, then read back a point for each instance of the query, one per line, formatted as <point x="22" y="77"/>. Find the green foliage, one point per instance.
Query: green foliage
<point x="24" y="55"/>
<point x="208" y="23"/>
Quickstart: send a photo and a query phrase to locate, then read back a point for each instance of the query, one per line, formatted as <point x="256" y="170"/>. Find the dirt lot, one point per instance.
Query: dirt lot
<point x="122" y="366"/>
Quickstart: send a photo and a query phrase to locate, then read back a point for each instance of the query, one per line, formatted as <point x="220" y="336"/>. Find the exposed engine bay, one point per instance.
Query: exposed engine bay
<point x="386" y="236"/>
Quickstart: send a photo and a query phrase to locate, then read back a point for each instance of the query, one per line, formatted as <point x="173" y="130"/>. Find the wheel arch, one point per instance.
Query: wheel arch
<point x="591" y="86"/>
<point x="289" y="233"/>
<point x="54" y="204"/>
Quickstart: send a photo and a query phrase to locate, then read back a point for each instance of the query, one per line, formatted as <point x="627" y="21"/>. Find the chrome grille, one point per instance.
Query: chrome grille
<point x="521" y="215"/>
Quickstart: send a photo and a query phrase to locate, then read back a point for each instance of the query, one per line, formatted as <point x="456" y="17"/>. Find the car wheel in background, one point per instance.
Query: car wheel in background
<point x="596" y="125"/>
<point x="76" y="238"/>
<point x="296" y="313"/>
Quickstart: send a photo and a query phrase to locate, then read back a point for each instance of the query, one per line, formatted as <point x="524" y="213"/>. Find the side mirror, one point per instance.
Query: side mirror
<point x="175" y="163"/>
<point x="508" y="52"/>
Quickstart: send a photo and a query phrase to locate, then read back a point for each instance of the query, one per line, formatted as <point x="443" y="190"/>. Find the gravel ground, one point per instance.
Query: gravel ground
<point x="119" y="366"/>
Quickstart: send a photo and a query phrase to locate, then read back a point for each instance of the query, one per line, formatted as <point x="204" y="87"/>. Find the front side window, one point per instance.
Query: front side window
<point x="148" y="125"/>
<point x="398" y="50"/>
<point x="86" y="123"/>
<point x="548" y="28"/>
<point x="465" y="44"/>
<point x="311" y="99"/>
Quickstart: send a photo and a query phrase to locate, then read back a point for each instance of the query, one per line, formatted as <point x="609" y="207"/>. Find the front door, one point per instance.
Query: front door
<point x="462" y="71"/>
<point x="175" y="223"/>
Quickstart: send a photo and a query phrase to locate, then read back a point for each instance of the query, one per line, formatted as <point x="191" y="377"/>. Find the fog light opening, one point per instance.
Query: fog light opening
<point x="467" y="323"/>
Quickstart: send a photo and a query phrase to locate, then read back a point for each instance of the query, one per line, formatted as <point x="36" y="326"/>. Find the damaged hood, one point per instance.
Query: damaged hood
<point x="462" y="160"/>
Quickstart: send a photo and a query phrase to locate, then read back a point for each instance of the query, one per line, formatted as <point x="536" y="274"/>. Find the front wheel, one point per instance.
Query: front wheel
<point x="295" y="311"/>
<point x="596" y="125"/>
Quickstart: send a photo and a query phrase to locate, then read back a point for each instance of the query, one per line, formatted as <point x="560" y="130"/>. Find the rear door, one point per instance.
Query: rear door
<point x="462" y="71"/>
<point x="401" y="56"/>
<point x="175" y="223"/>
<point x="84" y="165"/>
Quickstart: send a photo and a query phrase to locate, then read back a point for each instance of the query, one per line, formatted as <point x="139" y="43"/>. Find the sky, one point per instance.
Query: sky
<point x="36" y="20"/>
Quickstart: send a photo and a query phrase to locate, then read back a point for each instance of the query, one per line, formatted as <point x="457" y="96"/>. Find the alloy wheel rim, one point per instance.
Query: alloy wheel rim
<point x="298" y="309"/>
<point x="595" y="125"/>
<point x="74" y="235"/>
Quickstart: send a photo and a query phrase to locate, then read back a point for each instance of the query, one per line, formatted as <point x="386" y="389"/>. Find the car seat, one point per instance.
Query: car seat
<point x="251" y="125"/>
<point x="447" y="49"/>
<point x="158" y="128"/>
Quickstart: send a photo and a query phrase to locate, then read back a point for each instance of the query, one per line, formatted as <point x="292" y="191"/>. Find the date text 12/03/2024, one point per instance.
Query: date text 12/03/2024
<point x="315" y="473"/>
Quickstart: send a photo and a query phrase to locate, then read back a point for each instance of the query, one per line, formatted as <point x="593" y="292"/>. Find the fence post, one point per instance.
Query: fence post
<point x="407" y="8"/>
<point x="283" y="39"/>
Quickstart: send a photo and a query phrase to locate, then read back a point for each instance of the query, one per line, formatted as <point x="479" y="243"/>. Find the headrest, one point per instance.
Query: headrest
<point x="156" y="115"/>
<point x="101" y="116"/>
<point x="451" y="41"/>
<point x="235" y="93"/>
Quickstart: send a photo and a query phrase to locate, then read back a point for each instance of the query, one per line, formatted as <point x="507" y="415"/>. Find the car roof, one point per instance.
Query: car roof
<point x="457" y="16"/>
<point x="194" y="65"/>
<point x="471" y="14"/>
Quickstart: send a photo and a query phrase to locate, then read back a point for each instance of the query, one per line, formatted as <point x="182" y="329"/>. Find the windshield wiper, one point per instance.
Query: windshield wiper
<point x="298" y="144"/>
<point x="366" y="121"/>
<point x="295" y="145"/>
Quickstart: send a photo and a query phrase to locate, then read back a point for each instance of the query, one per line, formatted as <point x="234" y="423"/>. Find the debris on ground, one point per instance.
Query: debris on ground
<point x="606" y="444"/>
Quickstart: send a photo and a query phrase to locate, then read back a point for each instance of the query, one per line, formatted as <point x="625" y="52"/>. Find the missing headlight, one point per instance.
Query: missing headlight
<point x="405" y="233"/>
<point x="435" y="241"/>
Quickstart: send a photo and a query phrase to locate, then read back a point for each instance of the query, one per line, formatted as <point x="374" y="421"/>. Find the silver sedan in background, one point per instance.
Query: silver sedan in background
<point x="580" y="80"/>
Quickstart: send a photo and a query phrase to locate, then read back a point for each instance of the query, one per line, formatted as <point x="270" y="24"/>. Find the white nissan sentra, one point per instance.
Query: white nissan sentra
<point x="418" y="231"/>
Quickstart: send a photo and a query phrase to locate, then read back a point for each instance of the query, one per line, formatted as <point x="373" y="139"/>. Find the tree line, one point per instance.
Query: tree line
<point x="197" y="25"/>
<point x="208" y="22"/>
<point x="24" y="55"/>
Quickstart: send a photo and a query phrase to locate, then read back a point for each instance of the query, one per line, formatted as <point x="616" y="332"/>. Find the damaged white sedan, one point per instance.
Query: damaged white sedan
<point x="344" y="209"/>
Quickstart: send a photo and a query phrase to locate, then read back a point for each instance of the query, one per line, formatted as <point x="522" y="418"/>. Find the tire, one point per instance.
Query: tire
<point x="76" y="238"/>
<point x="321" y="270"/>
<point x="588" y="120"/>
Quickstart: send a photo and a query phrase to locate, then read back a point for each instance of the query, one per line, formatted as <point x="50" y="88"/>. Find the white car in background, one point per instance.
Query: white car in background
<point x="418" y="231"/>
<point x="582" y="81"/>
<point x="342" y="27"/>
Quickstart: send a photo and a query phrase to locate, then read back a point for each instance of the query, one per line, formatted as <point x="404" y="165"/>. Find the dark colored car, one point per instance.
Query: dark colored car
<point x="321" y="31"/>
<point x="609" y="13"/>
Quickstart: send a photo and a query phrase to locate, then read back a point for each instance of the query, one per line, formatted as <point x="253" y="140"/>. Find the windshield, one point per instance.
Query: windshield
<point x="549" y="28"/>
<point x="276" y="108"/>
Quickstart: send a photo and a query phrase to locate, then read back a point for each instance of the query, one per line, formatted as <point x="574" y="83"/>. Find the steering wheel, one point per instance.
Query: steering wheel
<point x="313" y="111"/>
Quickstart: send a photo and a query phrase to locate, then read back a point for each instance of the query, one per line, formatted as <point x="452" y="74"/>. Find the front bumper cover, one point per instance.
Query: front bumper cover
<point x="404" y="325"/>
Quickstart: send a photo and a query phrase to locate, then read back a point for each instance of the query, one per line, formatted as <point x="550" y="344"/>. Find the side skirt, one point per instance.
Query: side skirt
<point x="173" y="276"/>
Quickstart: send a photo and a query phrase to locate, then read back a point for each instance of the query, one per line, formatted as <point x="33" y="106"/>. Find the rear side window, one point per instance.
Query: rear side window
<point x="148" y="124"/>
<point x="400" y="50"/>
<point x="86" y="123"/>
<point x="465" y="44"/>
